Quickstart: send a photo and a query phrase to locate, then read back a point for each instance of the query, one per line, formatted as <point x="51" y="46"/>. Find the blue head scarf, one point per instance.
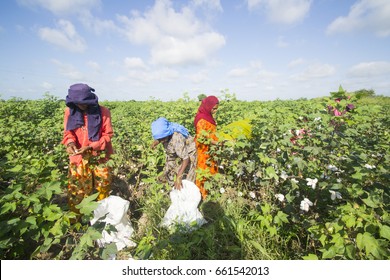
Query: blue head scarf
<point x="162" y="128"/>
<point x="83" y="94"/>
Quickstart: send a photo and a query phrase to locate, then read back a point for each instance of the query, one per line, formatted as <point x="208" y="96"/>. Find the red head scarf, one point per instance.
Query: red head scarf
<point x="204" y="111"/>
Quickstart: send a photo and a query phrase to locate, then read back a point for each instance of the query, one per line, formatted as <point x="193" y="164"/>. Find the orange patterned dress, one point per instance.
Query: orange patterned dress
<point x="206" y="166"/>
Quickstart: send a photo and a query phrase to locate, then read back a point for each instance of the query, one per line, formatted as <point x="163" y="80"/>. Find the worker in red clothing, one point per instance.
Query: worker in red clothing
<point x="87" y="137"/>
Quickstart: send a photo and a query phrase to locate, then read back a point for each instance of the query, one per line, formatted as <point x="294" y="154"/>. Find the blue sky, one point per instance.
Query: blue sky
<point x="138" y="50"/>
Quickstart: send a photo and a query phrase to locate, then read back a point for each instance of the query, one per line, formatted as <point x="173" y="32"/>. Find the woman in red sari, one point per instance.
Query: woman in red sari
<point x="205" y="128"/>
<point x="87" y="137"/>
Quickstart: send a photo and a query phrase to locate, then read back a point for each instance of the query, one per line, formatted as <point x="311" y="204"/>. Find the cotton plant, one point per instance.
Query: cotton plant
<point x="279" y="197"/>
<point x="222" y="190"/>
<point x="252" y="195"/>
<point x="335" y="195"/>
<point x="332" y="168"/>
<point x="368" y="166"/>
<point x="312" y="182"/>
<point x="283" y="175"/>
<point x="294" y="181"/>
<point x="305" y="204"/>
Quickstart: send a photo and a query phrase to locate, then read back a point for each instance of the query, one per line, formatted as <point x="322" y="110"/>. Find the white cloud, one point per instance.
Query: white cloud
<point x="47" y="86"/>
<point x="370" y="69"/>
<point x="65" y="36"/>
<point x="134" y="62"/>
<point x="296" y="62"/>
<point x="174" y="38"/>
<point x="98" y="26"/>
<point x="238" y="72"/>
<point x="266" y="76"/>
<point x="281" y="43"/>
<point x="315" y="71"/>
<point x="94" y="65"/>
<point x="364" y="15"/>
<point x="60" y="7"/>
<point x="282" y="11"/>
<point x="210" y="4"/>
<point x="199" y="77"/>
<point x="68" y="71"/>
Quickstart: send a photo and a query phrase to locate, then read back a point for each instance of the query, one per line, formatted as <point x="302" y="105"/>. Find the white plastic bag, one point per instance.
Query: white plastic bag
<point x="116" y="210"/>
<point x="184" y="207"/>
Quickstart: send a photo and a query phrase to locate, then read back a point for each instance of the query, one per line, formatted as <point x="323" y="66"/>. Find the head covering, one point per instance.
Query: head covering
<point x="83" y="94"/>
<point x="162" y="128"/>
<point x="204" y="111"/>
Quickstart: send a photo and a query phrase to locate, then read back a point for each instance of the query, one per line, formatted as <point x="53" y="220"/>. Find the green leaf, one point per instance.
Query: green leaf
<point x="271" y="172"/>
<point x="357" y="176"/>
<point x="87" y="205"/>
<point x="329" y="254"/>
<point x="384" y="232"/>
<point x="259" y="247"/>
<point x="368" y="243"/>
<point x="31" y="220"/>
<point x="108" y="251"/>
<point x="350" y="251"/>
<point x="310" y="257"/>
<point x="16" y="169"/>
<point x="373" y="200"/>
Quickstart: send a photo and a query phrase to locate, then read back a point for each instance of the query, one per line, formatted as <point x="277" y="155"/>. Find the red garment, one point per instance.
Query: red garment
<point x="80" y="136"/>
<point x="204" y="111"/>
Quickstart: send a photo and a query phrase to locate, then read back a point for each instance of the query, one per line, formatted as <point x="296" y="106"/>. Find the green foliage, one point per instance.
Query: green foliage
<point x="256" y="207"/>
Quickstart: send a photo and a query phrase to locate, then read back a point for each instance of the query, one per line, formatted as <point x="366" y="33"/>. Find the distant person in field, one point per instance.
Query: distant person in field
<point x="205" y="127"/>
<point x="180" y="150"/>
<point x="87" y="137"/>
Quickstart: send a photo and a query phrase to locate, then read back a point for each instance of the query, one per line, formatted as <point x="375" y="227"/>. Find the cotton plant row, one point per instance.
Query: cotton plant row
<point x="319" y="169"/>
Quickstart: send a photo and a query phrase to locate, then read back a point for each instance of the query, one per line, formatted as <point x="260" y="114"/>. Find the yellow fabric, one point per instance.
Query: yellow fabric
<point x="85" y="179"/>
<point x="235" y="129"/>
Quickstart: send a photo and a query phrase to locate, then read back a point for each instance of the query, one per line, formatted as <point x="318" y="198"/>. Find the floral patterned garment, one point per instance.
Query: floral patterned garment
<point x="204" y="130"/>
<point x="176" y="150"/>
<point x="85" y="179"/>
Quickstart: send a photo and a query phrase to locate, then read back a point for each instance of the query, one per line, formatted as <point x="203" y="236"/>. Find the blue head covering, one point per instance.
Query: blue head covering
<point x="83" y="94"/>
<point x="162" y="128"/>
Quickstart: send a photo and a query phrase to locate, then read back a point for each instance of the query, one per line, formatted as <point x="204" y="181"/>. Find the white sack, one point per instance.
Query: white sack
<point x="116" y="210"/>
<point x="184" y="207"/>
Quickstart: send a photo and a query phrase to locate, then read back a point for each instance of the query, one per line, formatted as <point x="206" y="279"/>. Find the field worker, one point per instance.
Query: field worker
<point x="87" y="137"/>
<point x="205" y="127"/>
<point x="180" y="151"/>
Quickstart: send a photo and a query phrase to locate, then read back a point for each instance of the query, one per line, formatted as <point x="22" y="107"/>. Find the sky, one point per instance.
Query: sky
<point x="165" y="50"/>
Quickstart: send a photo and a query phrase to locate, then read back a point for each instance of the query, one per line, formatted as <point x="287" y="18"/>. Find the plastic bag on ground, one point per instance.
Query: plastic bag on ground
<point x="114" y="208"/>
<point x="184" y="207"/>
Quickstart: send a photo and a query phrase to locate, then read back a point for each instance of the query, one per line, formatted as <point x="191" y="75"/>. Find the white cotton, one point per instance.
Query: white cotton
<point x="305" y="204"/>
<point x="332" y="168"/>
<point x="280" y="197"/>
<point x="312" y="182"/>
<point x="334" y="195"/>
<point x="284" y="175"/>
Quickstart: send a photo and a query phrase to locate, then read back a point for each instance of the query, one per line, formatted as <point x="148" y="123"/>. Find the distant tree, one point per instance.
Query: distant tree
<point x="364" y="93"/>
<point x="201" y="96"/>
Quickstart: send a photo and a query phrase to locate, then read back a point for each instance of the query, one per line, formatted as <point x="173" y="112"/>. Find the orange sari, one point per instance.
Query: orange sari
<point x="204" y="130"/>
